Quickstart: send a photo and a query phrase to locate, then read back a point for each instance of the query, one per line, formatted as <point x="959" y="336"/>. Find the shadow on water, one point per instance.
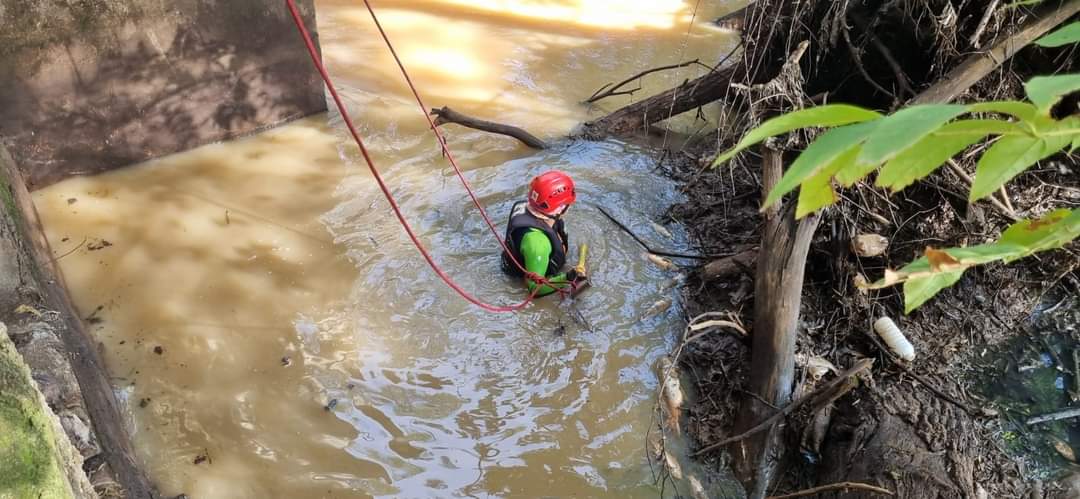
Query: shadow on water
<point x="1038" y="373"/>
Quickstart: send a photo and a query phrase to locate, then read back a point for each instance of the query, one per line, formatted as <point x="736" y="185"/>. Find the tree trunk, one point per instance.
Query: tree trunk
<point x="639" y="115"/>
<point x="777" y="296"/>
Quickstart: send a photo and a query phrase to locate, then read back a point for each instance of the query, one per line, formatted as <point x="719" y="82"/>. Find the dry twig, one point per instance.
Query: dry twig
<point x="601" y="93"/>
<point x="844" y="486"/>
<point x="990" y="9"/>
<point x="823" y="390"/>
<point x="1002" y="208"/>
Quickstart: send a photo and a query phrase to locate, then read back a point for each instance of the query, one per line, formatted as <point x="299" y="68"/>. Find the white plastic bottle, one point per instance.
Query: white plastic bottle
<point x="893" y="337"/>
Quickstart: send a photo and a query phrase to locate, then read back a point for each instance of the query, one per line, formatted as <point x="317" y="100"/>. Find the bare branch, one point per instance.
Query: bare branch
<point x="611" y="89"/>
<point x="844" y="486"/>
<point x="447" y="115"/>
<point x="824" y="390"/>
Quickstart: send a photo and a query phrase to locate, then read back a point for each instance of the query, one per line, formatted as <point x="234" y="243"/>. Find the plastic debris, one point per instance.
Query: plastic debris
<point x="893" y="337"/>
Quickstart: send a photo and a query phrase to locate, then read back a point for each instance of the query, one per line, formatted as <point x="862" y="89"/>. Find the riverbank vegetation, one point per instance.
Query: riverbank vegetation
<point x="939" y="130"/>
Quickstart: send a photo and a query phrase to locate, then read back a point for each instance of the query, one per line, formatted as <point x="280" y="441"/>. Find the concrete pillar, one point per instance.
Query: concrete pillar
<point x="94" y="85"/>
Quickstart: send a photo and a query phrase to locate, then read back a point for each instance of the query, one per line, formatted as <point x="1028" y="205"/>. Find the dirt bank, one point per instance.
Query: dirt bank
<point x="918" y="429"/>
<point x="891" y="417"/>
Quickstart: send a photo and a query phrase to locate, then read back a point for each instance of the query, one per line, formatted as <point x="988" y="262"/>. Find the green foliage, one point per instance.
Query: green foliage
<point x="914" y="142"/>
<point x="1010" y="156"/>
<point x="1063" y="36"/>
<point x="1045" y="91"/>
<point x="828" y="115"/>
<point x="933" y="150"/>
<point x="905" y="127"/>
<point x="939" y="269"/>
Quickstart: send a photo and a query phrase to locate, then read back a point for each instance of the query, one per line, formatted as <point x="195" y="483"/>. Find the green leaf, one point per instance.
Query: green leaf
<point x="1051" y="231"/>
<point x="1063" y="36"/>
<point x="929" y="153"/>
<point x="938" y="269"/>
<point x="1010" y="156"/>
<point x="821" y="116"/>
<point x="1045" y="91"/>
<point x="1020" y="3"/>
<point x="1071" y="126"/>
<point x="1021" y="110"/>
<point x="818" y="154"/>
<point x="920" y="289"/>
<point x="817" y="191"/>
<point x="903" y="128"/>
<point x="854" y="172"/>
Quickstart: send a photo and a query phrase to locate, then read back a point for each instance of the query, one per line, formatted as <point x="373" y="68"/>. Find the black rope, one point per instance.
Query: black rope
<point x="654" y="251"/>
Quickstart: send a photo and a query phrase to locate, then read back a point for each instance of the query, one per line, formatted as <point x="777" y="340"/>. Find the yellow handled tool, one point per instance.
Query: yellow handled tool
<point x="582" y="250"/>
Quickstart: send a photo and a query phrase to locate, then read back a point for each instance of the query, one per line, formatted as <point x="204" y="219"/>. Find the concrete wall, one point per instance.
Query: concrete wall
<point x="92" y="85"/>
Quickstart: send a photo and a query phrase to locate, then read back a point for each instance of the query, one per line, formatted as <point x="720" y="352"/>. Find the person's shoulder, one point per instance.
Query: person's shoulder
<point x="535" y="236"/>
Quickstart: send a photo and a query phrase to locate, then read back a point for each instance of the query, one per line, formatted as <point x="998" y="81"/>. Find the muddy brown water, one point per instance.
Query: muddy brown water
<point x="273" y="333"/>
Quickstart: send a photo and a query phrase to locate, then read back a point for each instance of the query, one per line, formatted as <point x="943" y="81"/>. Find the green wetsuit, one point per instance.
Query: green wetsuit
<point x="536" y="249"/>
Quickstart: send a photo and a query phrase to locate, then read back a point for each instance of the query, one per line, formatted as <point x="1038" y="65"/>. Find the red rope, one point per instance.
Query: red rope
<point x="450" y="156"/>
<point x="382" y="185"/>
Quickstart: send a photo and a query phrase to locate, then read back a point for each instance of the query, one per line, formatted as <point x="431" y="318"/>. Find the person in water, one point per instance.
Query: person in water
<point x="536" y="234"/>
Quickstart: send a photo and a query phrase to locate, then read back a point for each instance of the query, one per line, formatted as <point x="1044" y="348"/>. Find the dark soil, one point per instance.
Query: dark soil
<point x="920" y="431"/>
<point x="890" y="412"/>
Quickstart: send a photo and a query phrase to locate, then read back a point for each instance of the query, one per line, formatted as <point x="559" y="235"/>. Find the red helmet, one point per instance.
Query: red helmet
<point x="549" y="192"/>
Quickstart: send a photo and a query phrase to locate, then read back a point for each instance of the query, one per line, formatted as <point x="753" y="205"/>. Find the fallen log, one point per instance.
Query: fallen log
<point x="445" y="115"/>
<point x="778" y="285"/>
<point x="20" y="219"/>
<point x="977" y="66"/>
<point x="46" y="464"/>
<point x="609" y="90"/>
<point x="729" y="265"/>
<point x="639" y="115"/>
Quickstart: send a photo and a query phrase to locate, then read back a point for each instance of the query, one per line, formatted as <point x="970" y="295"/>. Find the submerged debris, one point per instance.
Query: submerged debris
<point x="660" y="229"/>
<point x="671" y="392"/>
<point x="98" y="244"/>
<point x="657" y="308"/>
<point x="660" y="261"/>
<point x="672" y="466"/>
<point x="697" y="491"/>
<point x="1064" y="449"/>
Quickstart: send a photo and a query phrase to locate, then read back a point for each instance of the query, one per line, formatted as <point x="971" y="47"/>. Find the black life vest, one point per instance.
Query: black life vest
<point x="519" y="223"/>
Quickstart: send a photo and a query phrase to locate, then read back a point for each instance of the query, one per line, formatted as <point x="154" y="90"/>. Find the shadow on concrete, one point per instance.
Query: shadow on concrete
<point x="130" y="85"/>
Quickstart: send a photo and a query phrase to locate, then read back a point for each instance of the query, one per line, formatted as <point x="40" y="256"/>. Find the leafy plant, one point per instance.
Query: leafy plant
<point x="1063" y="36"/>
<point x="913" y="142"/>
